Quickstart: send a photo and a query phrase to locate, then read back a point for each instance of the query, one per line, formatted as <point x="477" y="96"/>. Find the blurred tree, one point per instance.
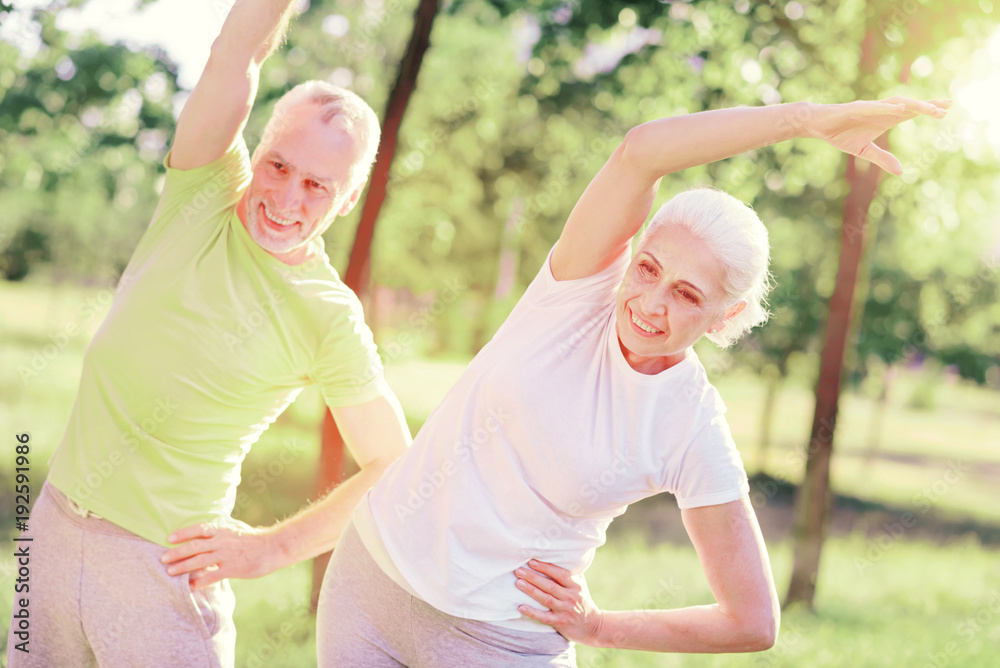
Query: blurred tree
<point x="893" y="38"/>
<point x="357" y="275"/>
<point x="83" y="128"/>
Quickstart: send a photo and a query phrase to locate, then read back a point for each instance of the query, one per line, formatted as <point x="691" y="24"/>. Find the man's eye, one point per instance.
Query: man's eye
<point x="646" y="268"/>
<point x="277" y="165"/>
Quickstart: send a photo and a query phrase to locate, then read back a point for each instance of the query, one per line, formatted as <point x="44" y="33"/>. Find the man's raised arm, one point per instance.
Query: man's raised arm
<point x="220" y="104"/>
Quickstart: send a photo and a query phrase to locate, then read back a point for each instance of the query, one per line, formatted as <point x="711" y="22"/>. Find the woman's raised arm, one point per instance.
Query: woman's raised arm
<point x="616" y="203"/>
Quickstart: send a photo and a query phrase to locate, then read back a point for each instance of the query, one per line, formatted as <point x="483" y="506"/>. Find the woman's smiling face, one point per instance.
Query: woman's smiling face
<point x="672" y="293"/>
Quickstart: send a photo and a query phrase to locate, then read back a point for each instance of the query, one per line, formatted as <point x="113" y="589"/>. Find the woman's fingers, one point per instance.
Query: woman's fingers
<point x="885" y="108"/>
<point x="882" y="158"/>
<point x="537" y="592"/>
<point x="941" y="104"/>
<point x="936" y="108"/>
<point x="543" y="616"/>
<point x="557" y="573"/>
<point x="537" y="581"/>
<point x="926" y="108"/>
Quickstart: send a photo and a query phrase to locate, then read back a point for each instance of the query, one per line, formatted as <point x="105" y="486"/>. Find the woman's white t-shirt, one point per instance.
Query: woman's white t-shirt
<point x="546" y="437"/>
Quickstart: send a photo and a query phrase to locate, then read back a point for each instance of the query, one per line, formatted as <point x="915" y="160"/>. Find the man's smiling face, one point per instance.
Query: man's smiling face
<point x="302" y="180"/>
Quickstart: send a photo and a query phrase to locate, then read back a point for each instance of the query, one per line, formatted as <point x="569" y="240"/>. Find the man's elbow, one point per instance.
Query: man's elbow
<point x="378" y="465"/>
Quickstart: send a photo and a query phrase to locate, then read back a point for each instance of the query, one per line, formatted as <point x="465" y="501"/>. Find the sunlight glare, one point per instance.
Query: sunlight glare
<point x="980" y="98"/>
<point x="184" y="28"/>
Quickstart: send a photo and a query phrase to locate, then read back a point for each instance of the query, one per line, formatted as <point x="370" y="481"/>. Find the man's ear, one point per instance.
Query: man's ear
<point x="351" y="201"/>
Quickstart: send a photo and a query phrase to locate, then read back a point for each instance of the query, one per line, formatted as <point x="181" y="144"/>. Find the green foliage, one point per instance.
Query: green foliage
<point x="83" y="128"/>
<point x="516" y="109"/>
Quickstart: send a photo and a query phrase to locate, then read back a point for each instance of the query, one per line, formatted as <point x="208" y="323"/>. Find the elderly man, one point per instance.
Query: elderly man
<point x="228" y="308"/>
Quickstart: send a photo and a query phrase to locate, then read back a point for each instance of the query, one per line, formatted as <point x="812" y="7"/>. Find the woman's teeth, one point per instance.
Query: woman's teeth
<point x="643" y="326"/>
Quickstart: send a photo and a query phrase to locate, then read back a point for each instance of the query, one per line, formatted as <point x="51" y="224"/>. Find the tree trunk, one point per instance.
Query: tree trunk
<point x="878" y="417"/>
<point x="356" y="276"/>
<point x="813" y="497"/>
<point x="767" y="418"/>
<point x="813" y="502"/>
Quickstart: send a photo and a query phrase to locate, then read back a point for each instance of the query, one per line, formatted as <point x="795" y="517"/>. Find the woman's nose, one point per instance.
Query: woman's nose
<point x="654" y="303"/>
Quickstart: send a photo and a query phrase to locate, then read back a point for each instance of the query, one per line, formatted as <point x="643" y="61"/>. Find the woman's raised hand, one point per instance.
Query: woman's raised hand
<point x="853" y="127"/>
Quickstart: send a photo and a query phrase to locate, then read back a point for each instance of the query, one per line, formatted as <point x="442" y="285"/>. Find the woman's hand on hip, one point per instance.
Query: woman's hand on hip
<point x="571" y="611"/>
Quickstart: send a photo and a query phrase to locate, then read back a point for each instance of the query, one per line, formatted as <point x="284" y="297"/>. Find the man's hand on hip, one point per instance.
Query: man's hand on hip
<point x="214" y="551"/>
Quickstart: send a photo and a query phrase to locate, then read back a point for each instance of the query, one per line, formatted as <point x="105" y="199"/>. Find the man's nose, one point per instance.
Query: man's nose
<point x="288" y="198"/>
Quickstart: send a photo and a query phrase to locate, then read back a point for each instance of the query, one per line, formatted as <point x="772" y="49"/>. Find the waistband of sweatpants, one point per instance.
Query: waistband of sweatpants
<point x="86" y="520"/>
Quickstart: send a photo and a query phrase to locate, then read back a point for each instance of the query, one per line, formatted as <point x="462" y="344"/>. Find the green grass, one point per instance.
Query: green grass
<point x="881" y="601"/>
<point x="920" y="603"/>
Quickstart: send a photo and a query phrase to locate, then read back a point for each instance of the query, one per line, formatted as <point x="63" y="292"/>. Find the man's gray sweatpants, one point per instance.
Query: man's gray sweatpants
<point x="99" y="596"/>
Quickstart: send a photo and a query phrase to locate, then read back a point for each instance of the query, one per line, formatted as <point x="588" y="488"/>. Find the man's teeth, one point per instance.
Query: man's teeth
<point x="641" y="325"/>
<point x="275" y="219"/>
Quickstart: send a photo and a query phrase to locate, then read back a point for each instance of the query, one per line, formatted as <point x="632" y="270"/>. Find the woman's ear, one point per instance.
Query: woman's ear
<point x="731" y="313"/>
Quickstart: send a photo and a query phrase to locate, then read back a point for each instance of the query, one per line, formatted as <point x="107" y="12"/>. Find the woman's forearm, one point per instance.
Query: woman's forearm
<point x="698" y="629"/>
<point x="671" y="144"/>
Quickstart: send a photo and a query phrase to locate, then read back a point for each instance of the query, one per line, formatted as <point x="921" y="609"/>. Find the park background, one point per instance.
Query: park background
<point x="516" y="105"/>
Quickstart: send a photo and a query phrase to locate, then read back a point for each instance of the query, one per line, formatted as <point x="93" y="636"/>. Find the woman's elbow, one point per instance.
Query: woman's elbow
<point x="633" y="153"/>
<point x="630" y="150"/>
<point x="762" y="633"/>
<point x="766" y="639"/>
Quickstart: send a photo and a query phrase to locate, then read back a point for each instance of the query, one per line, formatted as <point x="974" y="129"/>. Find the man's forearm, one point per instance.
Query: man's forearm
<point x="672" y="144"/>
<point x="255" y="28"/>
<point x="317" y="528"/>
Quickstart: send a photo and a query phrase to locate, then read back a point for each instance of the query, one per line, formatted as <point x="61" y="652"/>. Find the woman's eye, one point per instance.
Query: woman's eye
<point x="277" y="165"/>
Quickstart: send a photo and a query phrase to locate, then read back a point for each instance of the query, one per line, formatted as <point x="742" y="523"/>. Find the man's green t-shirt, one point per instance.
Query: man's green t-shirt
<point x="208" y="340"/>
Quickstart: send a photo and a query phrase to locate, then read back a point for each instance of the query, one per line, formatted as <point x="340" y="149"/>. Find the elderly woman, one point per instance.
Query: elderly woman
<point x="588" y="398"/>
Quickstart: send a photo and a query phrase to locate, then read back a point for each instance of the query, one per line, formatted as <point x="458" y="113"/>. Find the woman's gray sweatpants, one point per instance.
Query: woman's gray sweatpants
<point x="366" y="619"/>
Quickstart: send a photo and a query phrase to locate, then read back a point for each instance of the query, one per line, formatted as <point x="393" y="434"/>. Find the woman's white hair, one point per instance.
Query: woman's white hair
<point x="336" y="101"/>
<point x="737" y="238"/>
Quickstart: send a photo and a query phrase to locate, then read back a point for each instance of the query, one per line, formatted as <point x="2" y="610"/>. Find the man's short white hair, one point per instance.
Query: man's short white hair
<point x="336" y="101"/>
<point x="736" y="236"/>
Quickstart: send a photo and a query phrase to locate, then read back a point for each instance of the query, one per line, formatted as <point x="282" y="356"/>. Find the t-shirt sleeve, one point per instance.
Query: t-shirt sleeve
<point x="347" y="367"/>
<point x="545" y="288"/>
<point x="593" y="292"/>
<point x="711" y="471"/>
<point x="191" y="197"/>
